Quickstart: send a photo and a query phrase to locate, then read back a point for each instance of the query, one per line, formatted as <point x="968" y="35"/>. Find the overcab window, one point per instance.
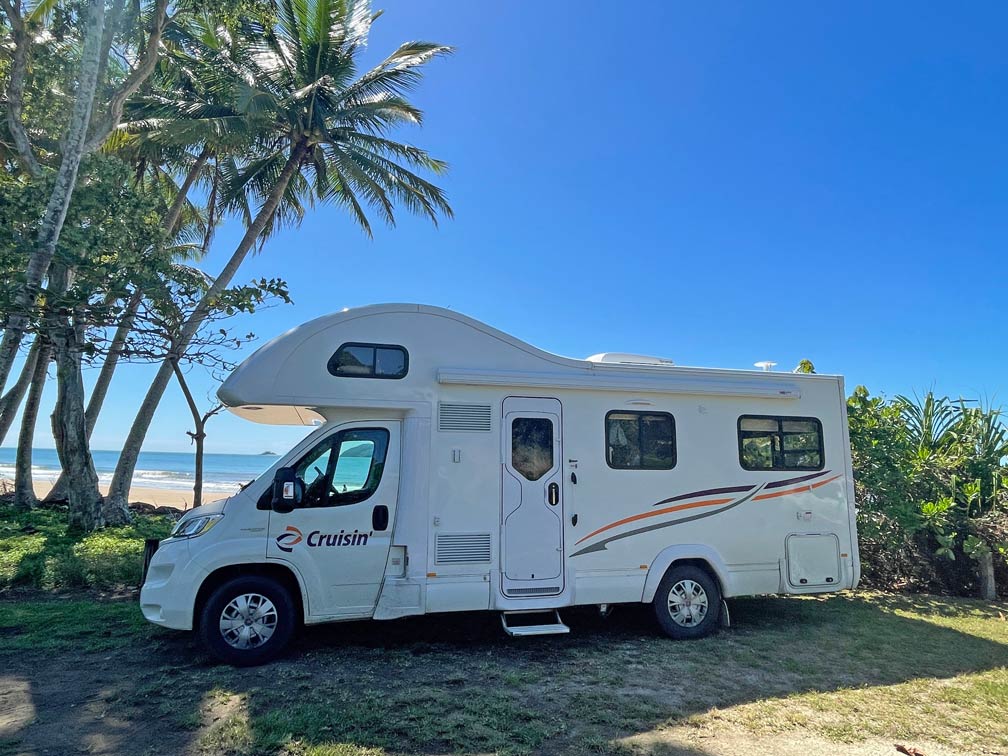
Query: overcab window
<point x="769" y="442"/>
<point x="369" y="361"/>
<point x="640" y="440"/>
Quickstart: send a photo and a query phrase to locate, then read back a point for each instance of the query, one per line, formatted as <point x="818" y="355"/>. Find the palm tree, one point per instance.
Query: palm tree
<point x="314" y="130"/>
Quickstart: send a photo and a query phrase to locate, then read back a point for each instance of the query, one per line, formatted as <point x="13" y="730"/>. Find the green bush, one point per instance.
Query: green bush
<point x="931" y="489"/>
<point x="37" y="552"/>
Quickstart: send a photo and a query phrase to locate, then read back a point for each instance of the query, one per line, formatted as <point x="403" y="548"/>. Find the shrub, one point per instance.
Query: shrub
<point x="37" y="552"/>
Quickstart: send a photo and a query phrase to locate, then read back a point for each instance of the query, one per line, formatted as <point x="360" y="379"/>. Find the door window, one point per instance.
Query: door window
<point x="532" y="446"/>
<point x="345" y="468"/>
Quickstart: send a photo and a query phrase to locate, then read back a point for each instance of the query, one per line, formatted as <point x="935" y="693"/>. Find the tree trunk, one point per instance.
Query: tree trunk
<point x="198" y="438"/>
<point x="122" y="478"/>
<point x="83" y="497"/>
<point x="24" y="488"/>
<point x="59" y="200"/>
<point x="11" y="401"/>
<point x="68" y="424"/>
<point x="985" y="571"/>
<point x="173" y="219"/>
<point x="101" y="387"/>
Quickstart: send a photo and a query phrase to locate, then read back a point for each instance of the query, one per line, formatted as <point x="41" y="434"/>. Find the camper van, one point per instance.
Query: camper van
<point x="457" y="468"/>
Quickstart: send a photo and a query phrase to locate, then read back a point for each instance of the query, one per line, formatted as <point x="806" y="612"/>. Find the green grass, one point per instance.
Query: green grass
<point x="847" y="668"/>
<point x="37" y="552"/>
<point x="72" y="625"/>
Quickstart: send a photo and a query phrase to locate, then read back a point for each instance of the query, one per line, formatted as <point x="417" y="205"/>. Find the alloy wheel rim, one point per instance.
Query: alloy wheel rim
<point x="687" y="603"/>
<point x="248" y="621"/>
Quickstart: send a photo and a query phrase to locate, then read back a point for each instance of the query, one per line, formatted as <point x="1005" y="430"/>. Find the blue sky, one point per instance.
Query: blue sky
<point x="717" y="183"/>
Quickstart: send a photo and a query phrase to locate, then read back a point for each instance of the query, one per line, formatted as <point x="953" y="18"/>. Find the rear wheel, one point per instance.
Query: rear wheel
<point x="687" y="603"/>
<point x="248" y="621"/>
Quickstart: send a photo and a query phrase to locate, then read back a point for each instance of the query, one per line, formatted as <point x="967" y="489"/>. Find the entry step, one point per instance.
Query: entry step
<point x="527" y="623"/>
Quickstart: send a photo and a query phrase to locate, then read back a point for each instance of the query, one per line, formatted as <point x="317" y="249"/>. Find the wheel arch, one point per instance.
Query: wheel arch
<point x="279" y="572"/>
<point x="696" y="555"/>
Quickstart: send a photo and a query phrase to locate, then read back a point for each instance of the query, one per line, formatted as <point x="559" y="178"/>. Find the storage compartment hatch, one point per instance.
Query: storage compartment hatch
<point x="813" y="560"/>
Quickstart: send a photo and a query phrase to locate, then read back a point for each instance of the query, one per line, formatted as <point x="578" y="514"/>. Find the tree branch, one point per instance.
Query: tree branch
<point x="137" y="77"/>
<point x="185" y="390"/>
<point x="15" y="89"/>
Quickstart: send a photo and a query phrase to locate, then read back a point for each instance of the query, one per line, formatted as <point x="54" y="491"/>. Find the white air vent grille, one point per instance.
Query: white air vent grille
<point x="463" y="417"/>
<point x="532" y="591"/>
<point x="462" y="548"/>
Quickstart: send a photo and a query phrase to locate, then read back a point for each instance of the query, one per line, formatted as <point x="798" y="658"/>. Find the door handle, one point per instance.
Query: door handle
<point x="553" y="494"/>
<point x="379" y="517"/>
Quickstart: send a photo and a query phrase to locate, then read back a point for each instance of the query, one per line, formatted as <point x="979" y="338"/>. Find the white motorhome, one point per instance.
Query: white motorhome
<point x="457" y="468"/>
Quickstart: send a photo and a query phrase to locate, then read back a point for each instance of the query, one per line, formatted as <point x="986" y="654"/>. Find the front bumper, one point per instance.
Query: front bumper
<point x="168" y="595"/>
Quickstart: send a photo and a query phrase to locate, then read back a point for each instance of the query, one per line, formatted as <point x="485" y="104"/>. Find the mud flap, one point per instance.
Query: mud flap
<point x="724" y="621"/>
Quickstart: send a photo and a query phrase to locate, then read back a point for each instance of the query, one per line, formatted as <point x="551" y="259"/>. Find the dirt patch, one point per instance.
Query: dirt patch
<point x="72" y="704"/>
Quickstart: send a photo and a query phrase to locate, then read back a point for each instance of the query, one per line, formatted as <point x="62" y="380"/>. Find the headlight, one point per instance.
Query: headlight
<point x="194" y="526"/>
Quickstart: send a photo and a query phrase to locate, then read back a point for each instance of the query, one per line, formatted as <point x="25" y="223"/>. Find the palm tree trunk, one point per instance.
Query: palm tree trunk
<point x="24" y="489"/>
<point x="123" y="475"/>
<point x="11" y="401"/>
<point x="174" y="216"/>
<point x="59" y="199"/>
<point x="101" y="387"/>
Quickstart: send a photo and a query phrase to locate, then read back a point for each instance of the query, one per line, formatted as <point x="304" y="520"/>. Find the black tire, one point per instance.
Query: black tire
<point x="697" y="624"/>
<point x="282" y="619"/>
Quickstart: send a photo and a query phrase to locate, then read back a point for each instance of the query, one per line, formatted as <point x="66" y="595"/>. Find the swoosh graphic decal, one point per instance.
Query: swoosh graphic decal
<point x="601" y="545"/>
<point x="655" y="513"/>
<point x="753" y="491"/>
<point x="708" y="492"/>
<point x="789" y="481"/>
<point x="799" y="489"/>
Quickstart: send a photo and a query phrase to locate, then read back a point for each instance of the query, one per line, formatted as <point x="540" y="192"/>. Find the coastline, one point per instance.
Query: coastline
<point x="159" y="497"/>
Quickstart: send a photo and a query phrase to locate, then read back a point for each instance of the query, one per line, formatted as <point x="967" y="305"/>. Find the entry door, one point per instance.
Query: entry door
<point x="532" y="493"/>
<point x="338" y="538"/>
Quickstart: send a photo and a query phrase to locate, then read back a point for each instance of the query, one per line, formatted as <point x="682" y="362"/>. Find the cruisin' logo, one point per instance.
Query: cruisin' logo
<point x="292" y="536"/>
<point x="286" y="540"/>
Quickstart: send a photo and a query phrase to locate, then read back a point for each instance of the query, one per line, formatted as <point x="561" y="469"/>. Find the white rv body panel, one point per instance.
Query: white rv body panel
<point x="469" y="530"/>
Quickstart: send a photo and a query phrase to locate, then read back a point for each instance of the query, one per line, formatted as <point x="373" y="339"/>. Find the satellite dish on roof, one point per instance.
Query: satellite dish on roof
<point x="765" y="365"/>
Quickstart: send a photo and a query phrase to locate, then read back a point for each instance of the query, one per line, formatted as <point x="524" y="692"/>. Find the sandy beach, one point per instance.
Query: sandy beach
<point x="179" y="498"/>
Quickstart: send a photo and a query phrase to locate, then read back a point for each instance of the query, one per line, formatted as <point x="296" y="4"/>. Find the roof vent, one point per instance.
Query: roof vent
<point x="622" y="358"/>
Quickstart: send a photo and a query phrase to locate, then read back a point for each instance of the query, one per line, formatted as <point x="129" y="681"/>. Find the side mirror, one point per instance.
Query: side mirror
<point x="288" y="490"/>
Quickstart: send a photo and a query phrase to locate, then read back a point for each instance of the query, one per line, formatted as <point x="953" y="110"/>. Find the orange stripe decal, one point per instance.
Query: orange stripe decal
<point x="655" y="513"/>
<point x="705" y="503"/>
<point x="798" y="489"/>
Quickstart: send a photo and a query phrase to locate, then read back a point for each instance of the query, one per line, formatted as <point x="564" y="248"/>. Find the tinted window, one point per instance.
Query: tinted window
<point x="369" y="361"/>
<point x="343" y="469"/>
<point x="780" y="443"/>
<point x="640" y="440"/>
<point x="532" y="446"/>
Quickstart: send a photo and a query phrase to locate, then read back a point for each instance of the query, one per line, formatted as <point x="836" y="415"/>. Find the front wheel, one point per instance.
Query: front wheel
<point x="687" y="603"/>
<point x="247" y="621"/>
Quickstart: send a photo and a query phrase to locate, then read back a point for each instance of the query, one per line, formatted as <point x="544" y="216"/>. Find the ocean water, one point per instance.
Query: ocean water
<point x="222" y="473"/>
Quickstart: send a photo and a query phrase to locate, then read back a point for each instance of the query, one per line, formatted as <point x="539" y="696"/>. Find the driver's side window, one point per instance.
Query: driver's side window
<point x="344" y="468"/>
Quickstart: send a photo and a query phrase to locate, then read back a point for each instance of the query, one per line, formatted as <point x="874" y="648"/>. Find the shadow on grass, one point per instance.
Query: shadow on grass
<point x="455" y="684"/>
